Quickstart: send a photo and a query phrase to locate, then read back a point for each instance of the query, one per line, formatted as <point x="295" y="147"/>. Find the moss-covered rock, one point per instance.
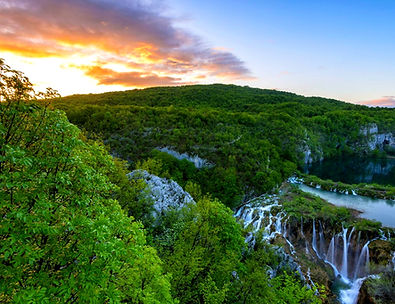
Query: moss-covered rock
<point x="380" y="252"/>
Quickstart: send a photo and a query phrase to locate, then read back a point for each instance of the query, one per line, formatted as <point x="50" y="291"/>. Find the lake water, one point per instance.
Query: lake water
<point x="371" y="208"/>
<point x="354" y="170"/>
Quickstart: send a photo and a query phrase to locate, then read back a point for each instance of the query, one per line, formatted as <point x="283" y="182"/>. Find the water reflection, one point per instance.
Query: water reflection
<point x="354" y="170"/>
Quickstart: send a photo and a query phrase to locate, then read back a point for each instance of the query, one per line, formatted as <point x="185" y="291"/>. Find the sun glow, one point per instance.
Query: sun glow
<point x="62" y="74"/>
<point x="90" y="47"/>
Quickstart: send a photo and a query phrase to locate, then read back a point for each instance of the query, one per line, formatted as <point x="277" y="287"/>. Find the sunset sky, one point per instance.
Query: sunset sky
<point x="338" y="49"/>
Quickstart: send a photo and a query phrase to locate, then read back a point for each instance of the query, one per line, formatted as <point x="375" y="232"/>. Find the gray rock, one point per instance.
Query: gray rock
<point x="165" y="193"/>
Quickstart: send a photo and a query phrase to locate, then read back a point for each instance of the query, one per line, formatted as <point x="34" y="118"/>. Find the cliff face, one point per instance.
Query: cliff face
<point x="370" y="138"/>
<point x="376" y="139"/>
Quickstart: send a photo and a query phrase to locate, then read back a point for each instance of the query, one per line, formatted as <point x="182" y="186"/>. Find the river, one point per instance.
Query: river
<point x="371" y="208"/>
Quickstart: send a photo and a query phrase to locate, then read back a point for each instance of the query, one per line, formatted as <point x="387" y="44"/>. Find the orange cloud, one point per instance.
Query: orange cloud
<point x="130" y="33"/>
<point x="386" y="101"/>
<point x="133" y="79"/>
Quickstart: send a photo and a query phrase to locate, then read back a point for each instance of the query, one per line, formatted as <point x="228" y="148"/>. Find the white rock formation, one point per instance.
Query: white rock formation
<point x="165" y="193"/>
<point x="376" y="139"/>
<point x="196" y="160"/>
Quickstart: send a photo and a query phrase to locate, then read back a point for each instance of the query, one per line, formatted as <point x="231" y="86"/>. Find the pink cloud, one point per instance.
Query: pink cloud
<point x="385" y="101"/>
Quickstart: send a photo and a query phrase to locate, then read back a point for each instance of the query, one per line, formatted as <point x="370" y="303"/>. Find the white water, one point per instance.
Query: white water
<point x="257" y="214"/>
<point x="349" y="265"/>
<point x="353" y="276"/>
<point x="350" y="296"/>
<point x="363" y="261"/>
<point x="314" y="241"/>
<point x="331" y="251"/>
<point x="344" y="269"/>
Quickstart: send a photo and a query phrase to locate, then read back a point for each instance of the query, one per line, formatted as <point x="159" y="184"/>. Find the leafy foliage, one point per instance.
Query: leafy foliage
<point x="255" y="285"/>
<point x="205" y="251"/>
<point x="382" y="288"/>
<point x="63" y="236"/>
<point x="66" y="206"/>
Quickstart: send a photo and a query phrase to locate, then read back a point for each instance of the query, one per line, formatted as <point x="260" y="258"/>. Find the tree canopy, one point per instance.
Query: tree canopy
<point x="63" y="236"/>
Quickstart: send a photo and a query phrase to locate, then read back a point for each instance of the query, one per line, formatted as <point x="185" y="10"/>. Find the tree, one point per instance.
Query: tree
<point x="254" y="284"/>
<point x="63" y="238"/>
<point x="205" y="253"/>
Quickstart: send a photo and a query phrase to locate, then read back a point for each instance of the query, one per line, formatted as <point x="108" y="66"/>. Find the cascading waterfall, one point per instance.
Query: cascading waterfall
<point x="350" y="296"/>
<point x="340" y="261"/>
<point x="255" y="212"/>
<point x="350" y="263"/>
<point x="322" y="241"/>
<point x="362" y="262"/>
<point x="314" y="242"/>
<point x="344" y="269"/>
<point x="330" y="255"/>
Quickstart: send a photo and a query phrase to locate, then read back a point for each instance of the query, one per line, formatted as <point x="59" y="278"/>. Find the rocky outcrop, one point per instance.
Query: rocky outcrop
<point x="364" y="297"/>
<point x="310" y="156"/>
<point x="196" y="160"/>
<point x="165" y="193"/>
<point x="375" y="139"/>
<point x="380" y="252"/>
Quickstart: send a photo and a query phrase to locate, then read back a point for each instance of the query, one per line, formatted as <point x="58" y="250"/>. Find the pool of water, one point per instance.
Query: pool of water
<point x="371" y="208"/>
<point x="355" y="170"/>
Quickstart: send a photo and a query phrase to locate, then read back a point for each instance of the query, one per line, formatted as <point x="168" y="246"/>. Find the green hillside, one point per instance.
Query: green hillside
<point x="68" y="230"/>
<point x="254" y="138"/>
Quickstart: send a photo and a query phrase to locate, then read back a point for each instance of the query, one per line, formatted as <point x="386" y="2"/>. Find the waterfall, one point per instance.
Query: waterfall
<point x="357" y="250"/>
<point x="349" y="236"/>
<point x="278" y="222"/>
<point x="363" y="261"/>
<point x="344" y="269"/>
<point x="350" y="296"/>
<point x="315" y="240"/>
<point x="248" y="217"/>
<point x="349" y="262"/>
<point x="331" y="251"/>
<point x="322" y="241"/>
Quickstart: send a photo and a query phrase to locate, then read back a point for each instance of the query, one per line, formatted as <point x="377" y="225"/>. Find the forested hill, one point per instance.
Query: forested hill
<point x="225" y="97"/>
<point x="253" y="138"/>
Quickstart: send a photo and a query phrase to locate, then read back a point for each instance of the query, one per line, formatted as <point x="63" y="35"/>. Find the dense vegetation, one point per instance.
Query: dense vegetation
<point x="382" y="288"/>
<point x="75" y="229"/>
<point x="255" y="138"/>
<point x="68" y="231"/>
<point x="63" y="236"/>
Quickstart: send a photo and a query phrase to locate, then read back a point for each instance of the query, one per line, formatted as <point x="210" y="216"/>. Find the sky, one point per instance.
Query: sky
<point x="336" y="49"/>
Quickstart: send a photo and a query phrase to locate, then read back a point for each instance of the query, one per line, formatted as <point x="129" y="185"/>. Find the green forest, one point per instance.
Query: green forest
<point x="254" y="138"/>
<point x="75" y="229"/>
